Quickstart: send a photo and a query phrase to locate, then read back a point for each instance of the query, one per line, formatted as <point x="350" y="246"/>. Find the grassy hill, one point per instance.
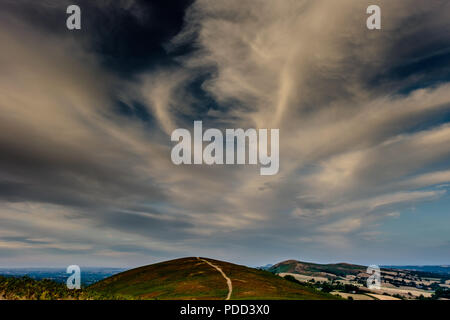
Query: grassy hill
<point x="191" y="278"/>
<point x="314" y="269"/>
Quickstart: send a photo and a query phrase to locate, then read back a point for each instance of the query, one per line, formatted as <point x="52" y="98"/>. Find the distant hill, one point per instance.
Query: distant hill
<point x="195" y="278"/>
<point x="432" y="269"/>
<point x="399" y="282"/>
<point x="266" y="267"/>
<point x="315" y="269"/>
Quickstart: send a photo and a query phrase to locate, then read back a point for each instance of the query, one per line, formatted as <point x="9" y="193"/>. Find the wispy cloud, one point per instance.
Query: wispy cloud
<point x="363" y="124"/>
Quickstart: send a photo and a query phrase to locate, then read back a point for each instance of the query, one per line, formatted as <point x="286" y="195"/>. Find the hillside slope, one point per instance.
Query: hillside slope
<point x="194" y="278"/>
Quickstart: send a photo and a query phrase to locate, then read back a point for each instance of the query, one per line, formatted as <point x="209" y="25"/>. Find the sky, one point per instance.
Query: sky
<point x="86" y="117"/>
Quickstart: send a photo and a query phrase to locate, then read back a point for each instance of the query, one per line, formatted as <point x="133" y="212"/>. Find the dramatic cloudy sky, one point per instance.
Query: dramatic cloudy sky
<point x="86" y="116"/>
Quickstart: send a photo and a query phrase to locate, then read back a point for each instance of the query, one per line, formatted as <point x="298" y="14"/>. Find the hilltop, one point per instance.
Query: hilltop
<point x="200" y="278"/>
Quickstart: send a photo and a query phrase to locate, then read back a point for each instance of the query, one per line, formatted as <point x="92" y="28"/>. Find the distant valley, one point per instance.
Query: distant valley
<point x="90" y="274"/>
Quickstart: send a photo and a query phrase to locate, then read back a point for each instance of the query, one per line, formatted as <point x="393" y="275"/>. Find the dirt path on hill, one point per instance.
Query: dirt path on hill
<point x="230" y="285"/>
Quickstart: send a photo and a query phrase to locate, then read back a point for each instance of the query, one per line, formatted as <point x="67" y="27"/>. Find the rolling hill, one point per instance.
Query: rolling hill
<point x="315" y="269"/>
<point x="202" y="278"/>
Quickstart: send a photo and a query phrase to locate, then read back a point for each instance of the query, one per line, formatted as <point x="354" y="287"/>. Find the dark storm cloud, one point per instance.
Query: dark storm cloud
<point x="127" y="35"/>
<point x="58" y="173"/>
<point x="421" y="56"/>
